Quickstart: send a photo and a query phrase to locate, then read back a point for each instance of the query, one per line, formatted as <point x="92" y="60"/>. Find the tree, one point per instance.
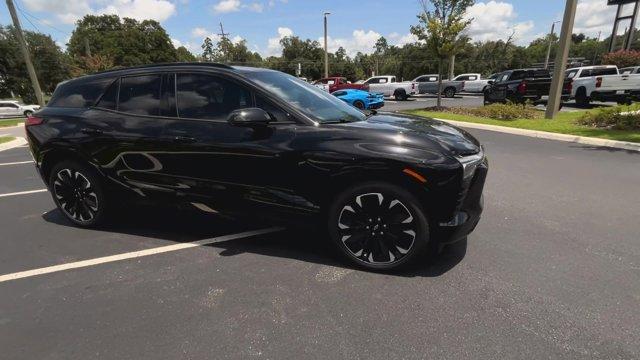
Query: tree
<point x="51" y="64"/>
<point x="441" y="26"/>
<point x="622" y="58"/>
<point x="127" y="42"/>
<point x="184" y="55"/>
<point x="207" y="49"/>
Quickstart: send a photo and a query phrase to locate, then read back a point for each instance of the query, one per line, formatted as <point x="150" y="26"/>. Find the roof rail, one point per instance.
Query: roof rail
<point x="211" y="64"/>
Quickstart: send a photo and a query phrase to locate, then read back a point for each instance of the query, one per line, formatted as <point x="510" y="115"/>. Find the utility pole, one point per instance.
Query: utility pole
<point x="595" y="55"/>
<point x="25" y="53"/>
<point x="326" y="51"/>
<point x="224" y="36"/>
<point x="87" y="48"/>
<point x="555" y="93"/>
<point x="553" y="27"/>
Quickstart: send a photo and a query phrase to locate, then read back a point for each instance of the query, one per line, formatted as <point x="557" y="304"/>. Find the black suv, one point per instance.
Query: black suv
<point x="258" y="143"/>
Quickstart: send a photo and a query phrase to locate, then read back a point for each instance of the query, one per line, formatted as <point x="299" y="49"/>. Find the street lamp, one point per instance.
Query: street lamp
<point x="326" y="51"/>
<point x="553" y="27"/>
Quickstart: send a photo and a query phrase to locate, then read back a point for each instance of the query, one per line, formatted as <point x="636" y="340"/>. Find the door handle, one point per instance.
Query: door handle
<point x="184" y="139"/>
<point x="91" y="131"/>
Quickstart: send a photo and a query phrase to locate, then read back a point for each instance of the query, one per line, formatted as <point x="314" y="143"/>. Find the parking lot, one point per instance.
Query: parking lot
<point x="551" y="272"/>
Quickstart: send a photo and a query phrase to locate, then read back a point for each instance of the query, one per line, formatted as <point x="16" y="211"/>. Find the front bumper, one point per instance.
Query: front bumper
<point x="469" y="210"/>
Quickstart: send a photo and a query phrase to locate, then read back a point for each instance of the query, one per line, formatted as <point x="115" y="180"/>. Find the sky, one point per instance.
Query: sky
<point x="354" y="25"/>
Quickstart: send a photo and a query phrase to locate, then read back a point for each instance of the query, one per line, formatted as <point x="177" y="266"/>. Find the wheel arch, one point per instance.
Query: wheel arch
<point x="55" y="155"/>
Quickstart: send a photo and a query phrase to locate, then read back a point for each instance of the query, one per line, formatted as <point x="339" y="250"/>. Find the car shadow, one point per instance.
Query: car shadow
<point x="297" y="244"/>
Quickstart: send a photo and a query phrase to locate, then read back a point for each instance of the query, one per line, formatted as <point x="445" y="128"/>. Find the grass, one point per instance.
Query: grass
<point x="4" y="139"/>
<point x="10" y="122"/>
<point x="564" y="123"/>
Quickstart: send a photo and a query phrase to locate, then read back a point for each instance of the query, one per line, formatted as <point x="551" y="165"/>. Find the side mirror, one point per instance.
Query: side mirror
<point x="490" y="82"/>
<point x="249" y="117"/>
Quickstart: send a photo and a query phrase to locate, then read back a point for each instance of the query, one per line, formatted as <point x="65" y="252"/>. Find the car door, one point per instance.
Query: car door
<point x="225" y="166"/>
<point x="4" y="110"/>
<point x="13" y="109"/>
<point x="123" y="133"/>
<point x="376" y="85"/>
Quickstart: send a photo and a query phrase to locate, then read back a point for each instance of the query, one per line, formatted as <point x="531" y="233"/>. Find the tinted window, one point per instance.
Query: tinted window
<point x="140" y="95"/>
<point x="110" y="98"/>
<point x="570" y="74"/>
<point x="272" y="109"/>
<point x="339" y="93"/>
<point x="598" y="72"/>
<point x="79" y="94"/>
<point x="202" y="96"/>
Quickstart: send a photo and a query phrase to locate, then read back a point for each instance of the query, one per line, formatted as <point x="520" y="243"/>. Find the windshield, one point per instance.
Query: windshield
<point x="307" y="98"/>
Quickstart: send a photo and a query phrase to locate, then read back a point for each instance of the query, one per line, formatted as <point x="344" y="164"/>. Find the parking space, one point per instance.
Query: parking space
<point x="551" y="272"/>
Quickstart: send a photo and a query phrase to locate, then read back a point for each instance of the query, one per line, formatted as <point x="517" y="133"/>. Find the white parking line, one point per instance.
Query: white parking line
<point x="23" y="193"/>
<point x="17" y="163"/>
<point x="133" y="255"/>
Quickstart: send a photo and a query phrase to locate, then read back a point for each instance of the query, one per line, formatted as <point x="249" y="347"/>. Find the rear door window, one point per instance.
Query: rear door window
<point x="109" y="100"/>
<point x="76" y="94"/>
<point x="140" y="95"/>
<point x="202" y="96"/>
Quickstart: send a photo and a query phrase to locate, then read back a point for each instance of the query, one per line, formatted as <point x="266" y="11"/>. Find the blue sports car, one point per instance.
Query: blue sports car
<point x="361" y="99"/>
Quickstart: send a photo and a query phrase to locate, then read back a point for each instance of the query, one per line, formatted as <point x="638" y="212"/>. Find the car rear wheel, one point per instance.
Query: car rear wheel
<point x="78" y="193"/>
<point x="449" y="92"/>
<point x="28" y="113"/>
<point x="378" y="226"/>
<point x="400" y="95"/>
<point x="581" y="98"/>
<point x="359" y="104"/>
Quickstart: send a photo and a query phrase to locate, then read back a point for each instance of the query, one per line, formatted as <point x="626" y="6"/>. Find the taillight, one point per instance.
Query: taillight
<point x="598" y="82"/>
<point x="522" y="88"/>
<point x="32" y="121"/>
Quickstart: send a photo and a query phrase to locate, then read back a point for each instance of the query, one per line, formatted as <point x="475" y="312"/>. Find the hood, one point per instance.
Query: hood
<point x="419" y="132"/>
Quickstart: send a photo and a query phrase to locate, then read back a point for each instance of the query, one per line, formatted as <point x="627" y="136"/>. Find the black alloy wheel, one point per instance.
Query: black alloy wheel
<point x="449" y="92"/>
<point x="379" y="226"/>
<point x="77" y="193"/>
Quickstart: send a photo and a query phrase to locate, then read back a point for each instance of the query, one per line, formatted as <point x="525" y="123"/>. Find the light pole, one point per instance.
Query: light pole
<point x="555" y="93"/>
<point x="326" y="51"/>
<point x="553" y="27"/>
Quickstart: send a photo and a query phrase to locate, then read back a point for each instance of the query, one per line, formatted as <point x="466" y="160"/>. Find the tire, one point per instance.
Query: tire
<point x="400" y="95"/>
<point x="449" y="92"/>
<point x="377" y="207"/>
<point x="359" y="104"/>
<point x="28" y="113"/>
<point x="581" y="98"/>
<point x="79" y="193"/>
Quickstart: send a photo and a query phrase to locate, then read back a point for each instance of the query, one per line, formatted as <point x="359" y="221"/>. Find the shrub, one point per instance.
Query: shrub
<point x="509" y="111"/>
<point x="617" y="117"/>
<point x="622" y="58"/>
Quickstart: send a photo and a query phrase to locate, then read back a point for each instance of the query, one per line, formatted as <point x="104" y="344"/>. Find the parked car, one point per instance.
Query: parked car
<point x="428" y="84"/>
<point x="630" y="70"/>
<point x="473" y="82"/>
<point x="339" y="83"/>
<point x="522" y="85"/>
<point x="602" y="83"/>
<point x="11" y="108"/>
<point x="258" y="143"/>
<point x="363" y="100"/>
<point x="388" y="86"/>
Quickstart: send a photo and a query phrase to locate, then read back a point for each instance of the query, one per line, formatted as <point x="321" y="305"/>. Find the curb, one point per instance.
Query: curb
<point x="625" y="145"/>
<point x="18" y="141"/>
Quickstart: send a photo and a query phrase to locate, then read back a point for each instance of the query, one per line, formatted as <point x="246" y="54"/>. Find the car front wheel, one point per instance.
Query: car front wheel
<point x="78" y="193"/>
<point x="378" y="226"/>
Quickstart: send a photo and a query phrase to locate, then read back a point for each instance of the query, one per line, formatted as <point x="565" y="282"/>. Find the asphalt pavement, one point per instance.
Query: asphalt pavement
<point x="552" y="271"/>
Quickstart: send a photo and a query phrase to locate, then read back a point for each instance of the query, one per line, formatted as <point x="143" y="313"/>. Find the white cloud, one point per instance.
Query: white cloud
<point x="494" y="20"/>
<point x="593" y="16"/>
<point x="273" y="45"/>
<point x="176" y="43"/>
<point x="227" y="6"/>
<point x="400" y="40"/>
<point x="360" y="41"/>
<point x="255" y="7"/>
<point x="69" y="11"/>
<point x="199" y="32"/>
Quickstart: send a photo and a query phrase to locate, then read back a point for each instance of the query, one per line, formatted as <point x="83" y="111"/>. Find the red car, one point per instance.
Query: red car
<point x="339" y="83"/>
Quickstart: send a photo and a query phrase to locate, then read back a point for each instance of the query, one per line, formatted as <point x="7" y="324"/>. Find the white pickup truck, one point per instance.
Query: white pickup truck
<point x="602" y="83"/>
<point x="11" y="108"/>
<point x="388" y="86"/>
<point x="473" y="82"/>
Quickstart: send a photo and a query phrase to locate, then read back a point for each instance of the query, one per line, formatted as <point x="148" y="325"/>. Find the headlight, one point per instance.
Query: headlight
<point x="470" y="163"/>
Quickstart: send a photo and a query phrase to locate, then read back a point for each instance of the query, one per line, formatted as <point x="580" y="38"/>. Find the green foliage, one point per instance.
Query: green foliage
<point x="184" y="55"/>
<point x="617" y="117"/>
<point x="507" y="111"/>
<point x="125" y="42"/>
<point x="622" y="58"/>
<point x="51" y="64"/>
